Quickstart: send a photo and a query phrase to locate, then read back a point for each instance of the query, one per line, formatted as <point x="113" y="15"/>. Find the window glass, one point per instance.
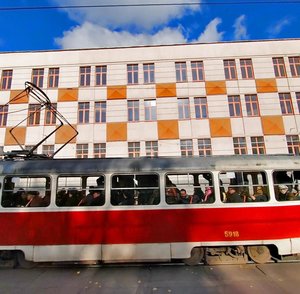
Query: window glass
<point x="80" y="191"/>
<point x="26" y="191"/>
<point x="189" y="188"/>
<point x="243" y="186"/>
<point x="135" y="189"/>
<point x="287" y="185"/>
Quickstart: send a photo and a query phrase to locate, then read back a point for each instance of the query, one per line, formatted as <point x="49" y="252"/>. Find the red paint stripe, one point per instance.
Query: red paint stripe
<point x="149" y="226"/>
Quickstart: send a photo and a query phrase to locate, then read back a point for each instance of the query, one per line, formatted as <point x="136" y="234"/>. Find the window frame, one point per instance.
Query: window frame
<point x="186" y="148"/>
<point x="235" y="106"/>
<point x="258" y="145"/>
<point x="286" y="103"/>
<point x="100" y="75"/>
<point x="83" y="112"/>
<point x="100" y="111"/>
<point x="133" y="110"/>
<point x="37" y="77"/>
<point x="294" y="62"/>
<point x="181" y="72"/>
<point x="198" y="74"/>
<point x="132" y="74"/>
<point x="204" y="147"/>
<point x="6" y="79"/>
<point x="134" y="149"/>
<point x="240" y="145"/>
<point x="149" y="73"/>
<point x="184" y="108"/>
<point x="201" y="107"/>
<point x="53" y="77"/>
<point x="252" y="105"/>
<point x="34" y="114"/>
<point x="3" y="115"/>
<point x="85" y="76"/>
<point x="230" y="69"/>
<point x="247" y="70"/>
<point x="279" y="67"/>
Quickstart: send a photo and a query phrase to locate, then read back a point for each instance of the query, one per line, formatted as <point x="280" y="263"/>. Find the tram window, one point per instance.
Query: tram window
<point x="80" y="191"/>
<point x="26" y="191"/>
<point x="287" y="185"/>
<point x="189" y="188"/>
<point x="135" y="189"/>
<point x="243" y="186"/>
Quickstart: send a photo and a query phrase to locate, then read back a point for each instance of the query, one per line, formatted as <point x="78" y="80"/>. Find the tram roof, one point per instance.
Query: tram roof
<point x="145" y="164"/>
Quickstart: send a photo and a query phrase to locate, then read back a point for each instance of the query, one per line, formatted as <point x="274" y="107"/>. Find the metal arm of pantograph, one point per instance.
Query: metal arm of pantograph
<point x="31" y="90"/>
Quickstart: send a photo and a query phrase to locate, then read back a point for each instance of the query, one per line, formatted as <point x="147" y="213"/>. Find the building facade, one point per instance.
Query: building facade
<point x="175" y="100"/>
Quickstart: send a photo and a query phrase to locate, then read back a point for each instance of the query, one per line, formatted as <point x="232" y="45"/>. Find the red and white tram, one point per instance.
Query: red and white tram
<point x="141" y="215"/>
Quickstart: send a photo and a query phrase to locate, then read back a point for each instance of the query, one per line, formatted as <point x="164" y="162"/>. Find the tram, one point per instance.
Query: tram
<point x="150" y="209"/>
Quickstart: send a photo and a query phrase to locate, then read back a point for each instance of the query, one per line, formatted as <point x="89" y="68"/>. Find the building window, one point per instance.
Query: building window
<point x="100" y="112"/>
<point x="293" y="144"/>
<point x="132" y="74"/>
<point x="150" y="110"/>
<point x="230" y="69"/>
<point x="204" y="147"/>
<point x="3" y="115"/>
<point x="252" y="106"/>
<point x="83" y="112"/>
<point x="148" y="73"/>
<point x="133" y="110"/>
<point x="85" y="76"/>
<point x="247" y="68"/>
<point x="6" y="79"/>
<point x="134" y="149"/>
<point x="38" y="77"/>
<point x="48" y="150"/>
<point x="53" y="77"/>
<point x="181" y="73"/>
<point x="279" y="67"/>
<point x="183" y="108"/>
<point x="99" y="150"/>
<point x="34" y="114"/>
<point x="239" y="145"/>
<point x="82" y="150"/>
<point x="197" y="71"/>
<point x="295" y="66"/>
<point x="101" y="75"/>
<point x="50" y="118"/>
<point x="151" y="148"/>
<point x="186" y="147"/>
<point x="235" y="108"/>
<point x="258" y="145"/>
<point x="298" y="100"/>
<point x="286" y="103"/>
<point x="201" y="108"/>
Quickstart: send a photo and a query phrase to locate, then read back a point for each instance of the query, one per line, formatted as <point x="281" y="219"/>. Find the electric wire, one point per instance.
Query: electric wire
<point x="132" y="5"/>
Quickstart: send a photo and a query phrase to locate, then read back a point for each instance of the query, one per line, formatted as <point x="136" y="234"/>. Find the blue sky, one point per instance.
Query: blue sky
<point x="64" y="28"/>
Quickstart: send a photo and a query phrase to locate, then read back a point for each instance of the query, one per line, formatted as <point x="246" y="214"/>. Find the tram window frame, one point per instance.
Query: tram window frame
<point x="80" y="189"/>
<point x="247" y="186"/>
<point x="134" y="194"/>
<point x="199" y="191"/>
<point x="286" y="184"/>
<point x="25" y="191"/>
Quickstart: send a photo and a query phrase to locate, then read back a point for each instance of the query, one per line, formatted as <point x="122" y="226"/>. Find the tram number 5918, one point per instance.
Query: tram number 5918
<point x="231" y="234"/>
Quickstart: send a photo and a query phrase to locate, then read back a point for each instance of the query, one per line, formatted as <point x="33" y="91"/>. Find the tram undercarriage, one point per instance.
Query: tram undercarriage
<point x="229" y="255"/>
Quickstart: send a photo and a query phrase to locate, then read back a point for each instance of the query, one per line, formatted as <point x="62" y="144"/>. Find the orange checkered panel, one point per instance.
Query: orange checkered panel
<point x="272" y="125"/>
<point x="220" y="127"/>
<point x="116" y="132"/>
<point x="116" y="92"/>
<point x="168" y="129"/>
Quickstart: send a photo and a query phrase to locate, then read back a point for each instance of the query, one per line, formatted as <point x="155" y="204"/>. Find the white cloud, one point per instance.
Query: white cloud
<point x="277" y="28"/>
<point x="211" y="33"/>
<point x="240" y="29"/>
<point x="89" y="35"/>
<point x="145" y="17"/>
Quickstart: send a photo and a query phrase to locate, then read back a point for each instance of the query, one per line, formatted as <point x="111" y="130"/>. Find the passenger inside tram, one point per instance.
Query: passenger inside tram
<point x="34" y="199"/>
<point x="259" y="196"/>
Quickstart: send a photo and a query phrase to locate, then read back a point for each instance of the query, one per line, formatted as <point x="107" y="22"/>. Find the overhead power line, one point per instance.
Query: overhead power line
<point x="149" y="5"/>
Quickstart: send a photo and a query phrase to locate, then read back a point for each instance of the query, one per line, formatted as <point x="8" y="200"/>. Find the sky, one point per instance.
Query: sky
<point x="24" y="27"/>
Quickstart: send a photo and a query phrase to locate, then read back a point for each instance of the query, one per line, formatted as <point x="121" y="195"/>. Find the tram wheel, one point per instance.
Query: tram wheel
<point x="22" y="262"/>
<point x="259" y="254"/>
<point x="197" y="255"/>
